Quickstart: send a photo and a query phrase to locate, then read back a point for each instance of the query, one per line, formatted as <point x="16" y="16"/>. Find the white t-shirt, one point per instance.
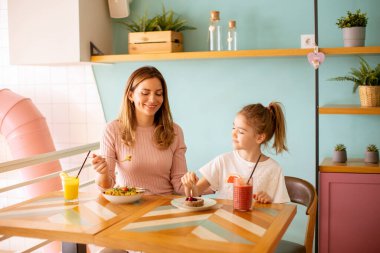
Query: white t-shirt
<point x="268" y="176"/>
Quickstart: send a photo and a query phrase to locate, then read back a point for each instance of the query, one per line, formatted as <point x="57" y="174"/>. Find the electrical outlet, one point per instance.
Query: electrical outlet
<point x="307" y="41"/>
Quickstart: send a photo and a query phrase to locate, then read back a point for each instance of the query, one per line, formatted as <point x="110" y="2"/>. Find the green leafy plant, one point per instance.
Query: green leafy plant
<point x="364" y="75"/>
<point x="353" y="20"/>
<point x="372" y="148"/>
<point x="340" y="147"/>
<point x="166" y="21"/>
<point x="142" y="24"/>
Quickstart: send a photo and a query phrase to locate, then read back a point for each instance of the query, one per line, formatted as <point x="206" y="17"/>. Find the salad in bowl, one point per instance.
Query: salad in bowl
<point x="123" y="195"/>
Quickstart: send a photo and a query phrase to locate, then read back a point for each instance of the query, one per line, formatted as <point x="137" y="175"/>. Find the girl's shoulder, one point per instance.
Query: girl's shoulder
<point x="225" y="158"/>
<point x="228" y="156"/>
<point x="271" y="163"/>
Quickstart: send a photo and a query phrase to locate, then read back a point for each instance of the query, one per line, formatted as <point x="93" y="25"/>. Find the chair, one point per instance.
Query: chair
<point x="304" y="193"/>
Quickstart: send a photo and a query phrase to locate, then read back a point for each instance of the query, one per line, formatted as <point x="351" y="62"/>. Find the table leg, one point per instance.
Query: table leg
<point x="70" y="247"/>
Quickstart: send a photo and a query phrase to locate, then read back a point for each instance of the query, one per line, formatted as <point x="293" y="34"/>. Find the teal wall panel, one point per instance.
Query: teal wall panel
<point x="206" y="94"/>
<point x="260" y="24"/>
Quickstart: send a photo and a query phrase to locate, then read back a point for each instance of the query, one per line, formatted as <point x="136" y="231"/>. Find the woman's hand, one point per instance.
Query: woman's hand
<point x="99" y="164"/>
<point x="262" y="197"/>
<point x="189" y="181"/>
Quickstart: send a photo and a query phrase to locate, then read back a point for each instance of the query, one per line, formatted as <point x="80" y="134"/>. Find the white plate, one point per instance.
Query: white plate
<point x="179" y="203"/>
<point x="122" y="199"/>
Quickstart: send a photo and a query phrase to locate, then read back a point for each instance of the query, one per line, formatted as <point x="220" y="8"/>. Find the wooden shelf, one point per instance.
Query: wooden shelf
<point x="349" y="109"/>
<point x="351" y="166"/>
<point x="202" y="55"/>
<point x="350" y="50"/>
<point x="232" y="54"/>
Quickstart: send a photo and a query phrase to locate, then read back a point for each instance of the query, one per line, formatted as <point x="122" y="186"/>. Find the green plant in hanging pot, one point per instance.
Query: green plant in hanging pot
<point x="340" y="154"/>
<point x="367" y="79"/>
<point x="372" y="154"/>
<point x="353" y="26"/>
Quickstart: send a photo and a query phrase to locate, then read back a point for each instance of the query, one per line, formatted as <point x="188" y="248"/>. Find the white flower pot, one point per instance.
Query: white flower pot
<point x="354" y="36"/>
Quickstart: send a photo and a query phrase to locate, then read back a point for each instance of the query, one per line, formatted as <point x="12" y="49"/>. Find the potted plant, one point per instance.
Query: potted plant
<point x="340" y="154"/>
<point x="160" y="34"/>
<point x="367" y="79"/>
<point x="353" y="26"/>
<point x="372" y="154"/>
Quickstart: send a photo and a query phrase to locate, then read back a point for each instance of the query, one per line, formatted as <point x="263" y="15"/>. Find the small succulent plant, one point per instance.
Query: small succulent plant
<point x="340" y="147"/>
<point x="372" y="148"/>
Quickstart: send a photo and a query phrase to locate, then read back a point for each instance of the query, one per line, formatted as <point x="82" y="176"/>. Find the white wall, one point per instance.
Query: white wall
<point x="66" y="95"/>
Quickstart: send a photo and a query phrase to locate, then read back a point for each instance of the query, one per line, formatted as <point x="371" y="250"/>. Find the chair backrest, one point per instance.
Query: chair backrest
<point x="304" y="193"/>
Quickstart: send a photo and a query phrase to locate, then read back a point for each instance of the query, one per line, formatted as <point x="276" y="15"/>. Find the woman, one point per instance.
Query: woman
<point x="143" y="147"/>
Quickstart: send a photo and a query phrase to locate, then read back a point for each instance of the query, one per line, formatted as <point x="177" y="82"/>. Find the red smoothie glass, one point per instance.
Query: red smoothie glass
<point x="242" y="194"/>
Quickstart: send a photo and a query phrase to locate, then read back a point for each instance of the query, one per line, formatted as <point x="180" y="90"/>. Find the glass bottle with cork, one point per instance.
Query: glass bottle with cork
<point x="232" y="36"/>
<point x="214" y="32"/>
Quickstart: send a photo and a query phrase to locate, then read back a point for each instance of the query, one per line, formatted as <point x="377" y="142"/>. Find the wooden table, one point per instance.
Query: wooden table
<point x="48" y="217"/>
<point x="168" y="229"/>
<point x="150" y="225"/>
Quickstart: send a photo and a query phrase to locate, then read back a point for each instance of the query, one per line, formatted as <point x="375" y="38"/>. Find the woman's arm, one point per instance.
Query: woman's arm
<point x="100" y="166"/>
<point x="179" y="167"/>
<point x="105" y="166"/>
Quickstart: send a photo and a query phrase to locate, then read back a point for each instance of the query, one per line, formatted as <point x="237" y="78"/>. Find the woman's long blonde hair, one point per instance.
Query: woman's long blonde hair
<point x="163" y="135"/>
<point x="269" y="121"/>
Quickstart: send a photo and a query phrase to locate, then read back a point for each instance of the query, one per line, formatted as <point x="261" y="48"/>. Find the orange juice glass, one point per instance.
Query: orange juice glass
<point x="70" y="189"/>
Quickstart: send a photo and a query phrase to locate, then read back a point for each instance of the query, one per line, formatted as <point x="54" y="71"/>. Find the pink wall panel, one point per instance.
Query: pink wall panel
<point x="349" y="218"/>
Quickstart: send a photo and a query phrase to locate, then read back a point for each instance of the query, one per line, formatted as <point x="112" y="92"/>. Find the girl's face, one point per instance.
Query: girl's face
<point x="244" y="136"/>
<point x="147" y="97"/>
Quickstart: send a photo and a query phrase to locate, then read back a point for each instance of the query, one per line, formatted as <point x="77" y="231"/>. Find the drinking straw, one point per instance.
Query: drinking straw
<point x="257" y="162"/>
<point x="83" y="163"/>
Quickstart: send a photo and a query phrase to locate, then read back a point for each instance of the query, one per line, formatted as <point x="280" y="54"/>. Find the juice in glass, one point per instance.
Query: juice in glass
<point x="242" y="198"/>
<point x="70" y="189"/>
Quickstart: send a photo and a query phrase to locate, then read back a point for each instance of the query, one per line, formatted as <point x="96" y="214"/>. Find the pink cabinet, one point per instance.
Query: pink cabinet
<point x="349" y="213"/>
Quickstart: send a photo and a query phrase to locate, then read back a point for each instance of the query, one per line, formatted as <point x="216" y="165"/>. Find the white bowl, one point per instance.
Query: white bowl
<point x="122" y="199"/>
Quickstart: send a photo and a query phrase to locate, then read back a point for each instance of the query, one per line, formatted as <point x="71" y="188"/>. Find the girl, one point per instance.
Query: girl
<point x="143" y="146"/>
<point x="254" y="126"/>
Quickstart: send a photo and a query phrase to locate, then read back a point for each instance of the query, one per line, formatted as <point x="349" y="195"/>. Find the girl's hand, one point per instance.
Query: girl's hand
<point x="189" y="181"/>
<point x="99" y="164"/>
<point x="262" y="197"/>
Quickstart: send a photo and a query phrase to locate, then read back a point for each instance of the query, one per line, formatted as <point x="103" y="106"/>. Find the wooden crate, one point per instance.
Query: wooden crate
<point x="155" y="42"/>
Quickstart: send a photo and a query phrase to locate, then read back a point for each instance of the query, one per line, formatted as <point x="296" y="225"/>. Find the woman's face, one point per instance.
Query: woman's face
<point x="243" y="135"/>
<point x="147" y="97"/>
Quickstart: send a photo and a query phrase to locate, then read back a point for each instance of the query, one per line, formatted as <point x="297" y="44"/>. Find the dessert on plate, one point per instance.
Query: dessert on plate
<point x="193" y="202"/>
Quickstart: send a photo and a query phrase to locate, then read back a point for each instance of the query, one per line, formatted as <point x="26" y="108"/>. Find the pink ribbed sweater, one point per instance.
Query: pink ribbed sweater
<point x="159" y="171"/>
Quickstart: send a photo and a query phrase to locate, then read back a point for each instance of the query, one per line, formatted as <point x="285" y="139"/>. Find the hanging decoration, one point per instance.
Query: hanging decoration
<point x="315" y="58"/>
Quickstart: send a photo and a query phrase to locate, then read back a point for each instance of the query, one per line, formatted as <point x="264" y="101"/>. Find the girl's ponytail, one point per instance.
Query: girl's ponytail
<point x="279" y="143"/>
